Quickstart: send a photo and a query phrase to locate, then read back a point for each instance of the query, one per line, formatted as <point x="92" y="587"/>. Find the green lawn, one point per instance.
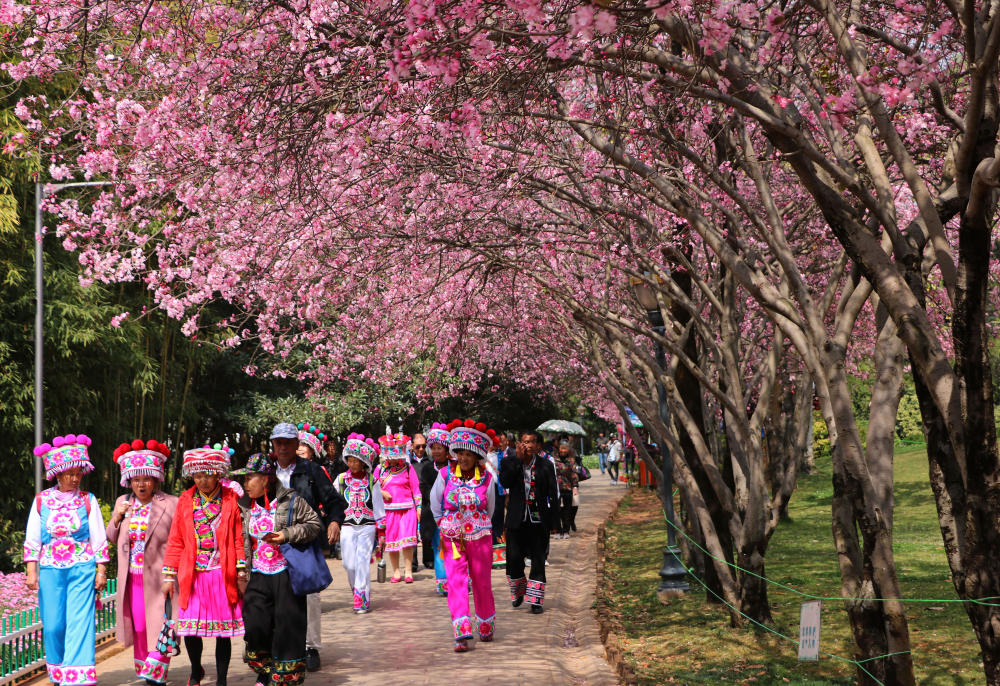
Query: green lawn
<point x="690" y="640"/>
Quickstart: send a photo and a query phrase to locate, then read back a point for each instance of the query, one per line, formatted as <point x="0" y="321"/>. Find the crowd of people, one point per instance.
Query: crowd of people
<point x="238" y="558"/>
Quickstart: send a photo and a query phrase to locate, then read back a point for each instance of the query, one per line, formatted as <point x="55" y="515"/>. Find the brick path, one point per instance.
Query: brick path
<point x="407" y="636"/>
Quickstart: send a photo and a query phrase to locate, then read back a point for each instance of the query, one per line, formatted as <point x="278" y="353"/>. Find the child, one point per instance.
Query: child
<point x="275" y="617"/>
<point x="206" y="561"/>
<point x="401" y="493"/>
<point x="463" y="503"/>
<point x="365" y="510"/>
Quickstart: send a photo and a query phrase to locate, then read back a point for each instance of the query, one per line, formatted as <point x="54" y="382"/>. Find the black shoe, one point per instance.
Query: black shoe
<point x="312" y="660"/>
<point x="536" y="609"/>
<point x="517" y="603"/>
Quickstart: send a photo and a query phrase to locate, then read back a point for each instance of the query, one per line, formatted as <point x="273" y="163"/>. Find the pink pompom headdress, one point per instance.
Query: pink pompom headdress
<point x="438" y="434"/>
<point x="65" y="452"/>
<point x="365" y="449"/>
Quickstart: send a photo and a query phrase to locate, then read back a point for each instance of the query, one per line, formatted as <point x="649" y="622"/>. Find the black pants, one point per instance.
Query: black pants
<point x="498" y="516"/>
<point x="528" y="540"/>
<point x="565" y="511"/>
<point x="427" y="529"/>
<point x="275" y="621"/>
<point x="613" y="471"/>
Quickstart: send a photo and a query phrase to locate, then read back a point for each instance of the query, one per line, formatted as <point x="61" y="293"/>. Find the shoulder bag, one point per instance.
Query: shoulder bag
<point x="307" y="569"/>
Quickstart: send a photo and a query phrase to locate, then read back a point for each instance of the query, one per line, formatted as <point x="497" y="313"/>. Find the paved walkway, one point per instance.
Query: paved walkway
<point x="407" y="636"/>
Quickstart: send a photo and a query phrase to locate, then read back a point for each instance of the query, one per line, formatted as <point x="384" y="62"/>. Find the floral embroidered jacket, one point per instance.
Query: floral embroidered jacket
<point x="463" y="507"/>
<point x="364" y="500"/>
<point x="63" y="531"/>
<point x="262" y="516"/>
<point x="193" y="529"/>
<point x="403" y="487"/>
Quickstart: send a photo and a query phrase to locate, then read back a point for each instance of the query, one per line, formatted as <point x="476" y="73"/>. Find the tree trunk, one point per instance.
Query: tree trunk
<point x="867" y="565"/>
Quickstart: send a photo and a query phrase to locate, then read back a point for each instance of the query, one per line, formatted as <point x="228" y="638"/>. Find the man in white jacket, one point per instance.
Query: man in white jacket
<point x="614" y="457"/>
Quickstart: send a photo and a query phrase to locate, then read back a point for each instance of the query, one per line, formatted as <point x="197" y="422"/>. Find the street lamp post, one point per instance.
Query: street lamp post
<point x="580" y="409"/>
<point x="672" y="583"/>
<point x="41" y="190"/>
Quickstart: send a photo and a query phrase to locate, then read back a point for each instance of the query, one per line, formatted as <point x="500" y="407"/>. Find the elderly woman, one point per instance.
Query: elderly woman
<point x="275" y="617"/>
<point x="205" y="562"/>
<point x="140" y="526"/>
<point x="65" y="549"/>
<point x="463" y="502"/>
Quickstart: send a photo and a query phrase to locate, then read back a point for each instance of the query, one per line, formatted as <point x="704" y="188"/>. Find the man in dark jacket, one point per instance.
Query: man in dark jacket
<point x="532" y="513"/>
<point x="309" y="481"/>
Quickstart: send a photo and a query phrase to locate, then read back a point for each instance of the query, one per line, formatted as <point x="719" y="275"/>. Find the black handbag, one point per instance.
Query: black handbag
<point x="307" y="569"/>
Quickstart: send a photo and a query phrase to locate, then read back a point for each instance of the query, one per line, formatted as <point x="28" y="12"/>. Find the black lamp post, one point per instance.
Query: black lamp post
<point x="580" y="409"/>
<point x="672" y="583"/>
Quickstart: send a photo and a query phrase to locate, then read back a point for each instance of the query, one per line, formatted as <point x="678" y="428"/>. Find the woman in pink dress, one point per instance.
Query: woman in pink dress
<point x="400" y="488"/>
<point x="139" y="528"/>
<point x="463" y="500"/>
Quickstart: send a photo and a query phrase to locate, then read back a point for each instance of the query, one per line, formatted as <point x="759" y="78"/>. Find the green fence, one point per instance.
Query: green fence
<point x="22" y="651"/>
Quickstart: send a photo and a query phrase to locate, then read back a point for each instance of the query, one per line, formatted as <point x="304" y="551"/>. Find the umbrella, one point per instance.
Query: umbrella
<point x="561" y="426"/>
<point x="632" y="418"/>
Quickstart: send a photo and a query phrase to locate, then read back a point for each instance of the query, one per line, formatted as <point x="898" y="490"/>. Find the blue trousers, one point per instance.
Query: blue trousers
<point x="602" y="459"/>
<point x="439" y="574"/>
<point x="66" y="599"/>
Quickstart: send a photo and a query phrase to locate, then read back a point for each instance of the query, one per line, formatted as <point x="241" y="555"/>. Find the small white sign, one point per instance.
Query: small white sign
<point x="809" y="631"/>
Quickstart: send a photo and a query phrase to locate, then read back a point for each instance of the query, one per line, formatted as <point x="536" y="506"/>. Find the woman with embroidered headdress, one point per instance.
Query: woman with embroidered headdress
<point x="365" y="514"/>
<point x="437" y="442"/>
<point x="463" y="500"/>
<point x="206" y="563"/>
<point x="274" y="615"/>
<point x="139" y="527"/>
<point x="401" y="493"/>
<point x="65" y="551"/>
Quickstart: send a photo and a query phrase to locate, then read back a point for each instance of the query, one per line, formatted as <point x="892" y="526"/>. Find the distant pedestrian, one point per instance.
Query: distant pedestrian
<point x="569" y="481"/>
<point x="602" y="451"/>
<point x="614" y="458"/>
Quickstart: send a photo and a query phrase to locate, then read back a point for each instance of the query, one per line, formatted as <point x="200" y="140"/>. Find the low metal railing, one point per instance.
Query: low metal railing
<point x="22" y="651"/>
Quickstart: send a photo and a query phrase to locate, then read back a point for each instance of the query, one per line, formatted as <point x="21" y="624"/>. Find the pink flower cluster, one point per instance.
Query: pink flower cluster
<point x="15" y="595"/>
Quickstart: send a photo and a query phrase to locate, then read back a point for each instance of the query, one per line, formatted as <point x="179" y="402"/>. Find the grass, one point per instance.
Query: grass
<point x="690" y="641"/>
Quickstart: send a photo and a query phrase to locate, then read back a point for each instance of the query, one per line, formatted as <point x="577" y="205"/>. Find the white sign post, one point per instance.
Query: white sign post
<point x="809" y="631"/>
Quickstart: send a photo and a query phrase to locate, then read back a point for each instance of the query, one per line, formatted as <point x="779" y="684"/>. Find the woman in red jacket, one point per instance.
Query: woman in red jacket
<point x="206" y="560"/>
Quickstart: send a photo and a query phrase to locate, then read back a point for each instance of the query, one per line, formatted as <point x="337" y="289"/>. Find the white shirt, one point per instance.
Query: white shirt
<point x="284" y="474"/>
<point x="615" y="451"/>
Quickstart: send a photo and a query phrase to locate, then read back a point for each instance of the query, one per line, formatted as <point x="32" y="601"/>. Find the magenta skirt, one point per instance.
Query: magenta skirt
<point x="400" y="529"/>
<point x="208" y="612"/>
